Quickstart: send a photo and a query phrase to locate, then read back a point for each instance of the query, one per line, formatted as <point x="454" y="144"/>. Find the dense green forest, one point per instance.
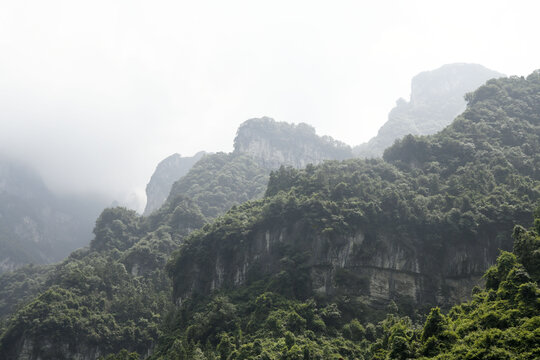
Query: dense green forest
<point x="463" y="188"/>
<point x="219" y="181"/>
<point x="110" y="296"/>
<point x="301" y="273"/>
<point x="502" y="321"/>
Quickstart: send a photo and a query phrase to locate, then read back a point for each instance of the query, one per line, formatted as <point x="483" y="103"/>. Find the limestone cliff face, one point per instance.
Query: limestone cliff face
<point x="167" y="172"/>
<point x="31" y="350"/>
<point x="437" y="97"/>
<point x="379" y="266"/>
<point x="273" y="144"/>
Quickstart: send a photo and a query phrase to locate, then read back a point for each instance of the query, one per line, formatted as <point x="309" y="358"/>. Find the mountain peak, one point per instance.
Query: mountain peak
<point x="272" y="144"/>
<point x="167" y="172"/>
<point x="437" y="97"/>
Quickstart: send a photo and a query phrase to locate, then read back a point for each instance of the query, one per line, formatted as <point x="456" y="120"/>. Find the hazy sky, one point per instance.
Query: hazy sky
<point x="95" y="93"/>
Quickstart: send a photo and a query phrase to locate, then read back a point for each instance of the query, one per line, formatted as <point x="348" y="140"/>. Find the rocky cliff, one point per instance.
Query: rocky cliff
<point x="437" y="97"/>
<point x="167" y="172"/>
<point x="378" y="266"/>
<point x="221" y="180"/>
<point x="418" y="226"/>
<point x="421" y="225"/>
<point x="273" y="144"/>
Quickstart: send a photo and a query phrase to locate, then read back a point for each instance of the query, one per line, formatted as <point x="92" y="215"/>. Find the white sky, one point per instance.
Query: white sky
<point x="95" y="93"/>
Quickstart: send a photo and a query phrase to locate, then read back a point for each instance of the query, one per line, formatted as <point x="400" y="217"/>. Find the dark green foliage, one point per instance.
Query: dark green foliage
<point x="219" y="181"/>
<point x="245" y="285"/>
<point x="19" y="286"/>
<point x="464" y="187"/>
<point x="116" y="228"/>
<point x="262" y="325"/>
<point x="94" y="303"/>
<point x="122" y="355"/>
<point x="526" y="247"/>
<point x="501" y="322"/>
<point x="109" y="297"/>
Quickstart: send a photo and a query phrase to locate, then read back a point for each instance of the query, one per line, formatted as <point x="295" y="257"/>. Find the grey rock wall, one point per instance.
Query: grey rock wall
<point x="167" y="172"/>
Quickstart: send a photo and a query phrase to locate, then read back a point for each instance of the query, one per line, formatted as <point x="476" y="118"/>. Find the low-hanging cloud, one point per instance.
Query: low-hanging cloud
<point x="94" y="94"/>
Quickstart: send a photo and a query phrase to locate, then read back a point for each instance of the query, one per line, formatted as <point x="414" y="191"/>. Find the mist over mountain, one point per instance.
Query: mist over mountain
<point x="36" y="225"/>
<point x="211" y="180"/>
<point x="337" y="260"/>
<point x="218" y="181"/>
<point x="437" y="97"/>
<point x="273" y="144"/>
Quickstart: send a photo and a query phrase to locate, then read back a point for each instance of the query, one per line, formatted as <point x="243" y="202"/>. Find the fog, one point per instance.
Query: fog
<point x="94" y="94"/>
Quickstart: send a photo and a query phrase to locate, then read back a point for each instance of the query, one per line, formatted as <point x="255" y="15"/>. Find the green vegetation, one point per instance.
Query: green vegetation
<point x="109" y="297"/>
<point x="500" y="322"/>
<point x="290" y="276"/>
<point x="462" y="188"/>
<point x="219" y="181"/>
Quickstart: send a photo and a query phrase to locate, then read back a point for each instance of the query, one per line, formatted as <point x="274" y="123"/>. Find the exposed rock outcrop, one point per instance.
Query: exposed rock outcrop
<point x="378" y="266"/>
<point x="167" y="172"/>
<point x="437" y="97"/>
<point x="273" y="144"/>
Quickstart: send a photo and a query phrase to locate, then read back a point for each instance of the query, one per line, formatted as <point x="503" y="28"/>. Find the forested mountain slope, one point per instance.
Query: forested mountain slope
<point x="219" y="181"/>
<point x="125" y="261"/>
<point x="437" y="97"/>
<point x="307" y="271"/>
<point x="500" y="322"/>
<point x="340" y="240"/>
<point x="101" y="299"/>
<point x="426" y="220"/>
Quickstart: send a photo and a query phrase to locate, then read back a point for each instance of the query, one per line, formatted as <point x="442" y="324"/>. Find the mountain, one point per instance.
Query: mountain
<point x="219" y="181"/>
<point x="116" y="293"/>
<point x="273" y="144"/>
<point x="337" y="243"/>
<point x="340" y="259"/>
<point x="437" y="97"/>
<point x="500" y="322"/>
<point x="167" y="172"/>
<point x="37" y="226"/>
